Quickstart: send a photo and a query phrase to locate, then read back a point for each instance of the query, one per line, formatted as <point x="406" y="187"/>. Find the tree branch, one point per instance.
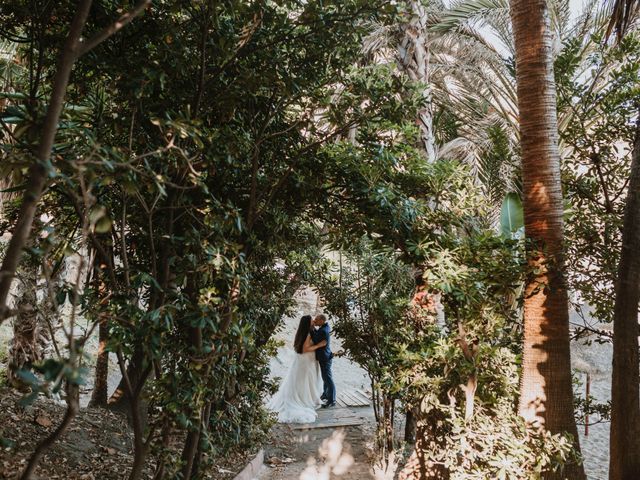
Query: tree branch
<point x="115" y="27"/>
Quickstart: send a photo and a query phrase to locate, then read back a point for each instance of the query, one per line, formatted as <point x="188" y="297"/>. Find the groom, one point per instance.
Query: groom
<point x="324" y="357"/>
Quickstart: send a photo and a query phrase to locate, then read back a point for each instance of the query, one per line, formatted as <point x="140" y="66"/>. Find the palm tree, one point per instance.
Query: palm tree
<point x="481" y="90"/>
<point x="546" y="396"/>
<point x="406" y="45"/>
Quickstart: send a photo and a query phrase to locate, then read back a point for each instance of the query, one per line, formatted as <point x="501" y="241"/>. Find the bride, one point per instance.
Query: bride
<point x="299" y="393"/>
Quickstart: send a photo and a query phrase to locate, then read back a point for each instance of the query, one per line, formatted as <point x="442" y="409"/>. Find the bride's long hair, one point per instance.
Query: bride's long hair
<point x="301" y="335"/>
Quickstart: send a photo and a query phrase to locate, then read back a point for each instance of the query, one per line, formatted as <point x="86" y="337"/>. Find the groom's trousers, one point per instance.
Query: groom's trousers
<point x="327" y="378"/>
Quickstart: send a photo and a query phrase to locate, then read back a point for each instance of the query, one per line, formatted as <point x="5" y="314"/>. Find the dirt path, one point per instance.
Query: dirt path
<point x="337" y="446"/>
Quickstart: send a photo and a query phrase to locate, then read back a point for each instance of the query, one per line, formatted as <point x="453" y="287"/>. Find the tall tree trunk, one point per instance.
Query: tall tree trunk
<point x="546" y="396"/>
<point x="413" y="56"/>
<point x="192" y="441"/>
<point x="625" y="411"/>
<point x="197" y="462"/>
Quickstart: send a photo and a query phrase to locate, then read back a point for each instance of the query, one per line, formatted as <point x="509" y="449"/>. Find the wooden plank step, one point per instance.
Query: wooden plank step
<point x="346" y="398"/>
<point x="362" y="397"/>
<point x="352" y="400"/>
<point x="329" y="423"/>
<point x="363" y="393"/>
<point x="355" y="400"/>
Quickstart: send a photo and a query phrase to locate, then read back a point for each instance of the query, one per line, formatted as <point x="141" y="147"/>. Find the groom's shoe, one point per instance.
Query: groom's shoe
<point x="328" y="405"/>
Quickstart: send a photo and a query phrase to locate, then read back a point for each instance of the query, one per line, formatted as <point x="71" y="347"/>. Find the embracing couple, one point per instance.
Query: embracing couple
<point x="308" y="384"/>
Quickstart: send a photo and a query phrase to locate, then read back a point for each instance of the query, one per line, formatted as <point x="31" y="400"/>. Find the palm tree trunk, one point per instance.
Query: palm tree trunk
<point x="30" y="332"/>
<point x="29" y="338"/>
<point x="625" y="412"/>
<point x="546" y="396"/>
<point x="413" y="56"/>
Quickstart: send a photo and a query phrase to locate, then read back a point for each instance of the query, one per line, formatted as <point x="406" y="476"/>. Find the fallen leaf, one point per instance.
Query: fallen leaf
<point x="43" y="421"/>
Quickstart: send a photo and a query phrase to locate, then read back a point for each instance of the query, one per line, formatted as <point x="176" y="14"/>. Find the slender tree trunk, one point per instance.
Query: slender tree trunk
<point x="102" y="277"/>
<point x="133" y="392"/>
<point x="625" y="411"/>
<point x="410" y="426"/>
<point x="190" y="450"/>
<point x="101" y="385"/>
<point x="191" y="445"/>
<point x="387" y="424"/>
<point x="197" y="462"/>
<point x="546" y="396"/>
<point x="135" y="371"/>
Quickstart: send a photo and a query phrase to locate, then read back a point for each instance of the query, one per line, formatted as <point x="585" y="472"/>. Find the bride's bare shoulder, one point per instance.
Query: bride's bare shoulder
<point x="307" y="343"/>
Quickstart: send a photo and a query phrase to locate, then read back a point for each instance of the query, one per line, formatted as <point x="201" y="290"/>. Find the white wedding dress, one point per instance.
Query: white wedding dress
<point x="299" y="394"/>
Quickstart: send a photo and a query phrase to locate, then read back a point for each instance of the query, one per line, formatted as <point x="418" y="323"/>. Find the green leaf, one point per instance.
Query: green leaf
<point x="103" y="225"/>
<point x="18" y="188"/>
<point x="61" y="297"/>
<point x="28" y="377"/>
<point x="97" y="213"/>
<point x="512" y="215"/>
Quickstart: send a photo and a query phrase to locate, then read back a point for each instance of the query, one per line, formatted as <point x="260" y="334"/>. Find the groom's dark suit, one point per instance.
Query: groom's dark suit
<point x="324" y="358"/>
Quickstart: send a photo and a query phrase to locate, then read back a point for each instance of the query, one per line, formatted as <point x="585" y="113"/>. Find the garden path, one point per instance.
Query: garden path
<point x="338" y="446"/>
